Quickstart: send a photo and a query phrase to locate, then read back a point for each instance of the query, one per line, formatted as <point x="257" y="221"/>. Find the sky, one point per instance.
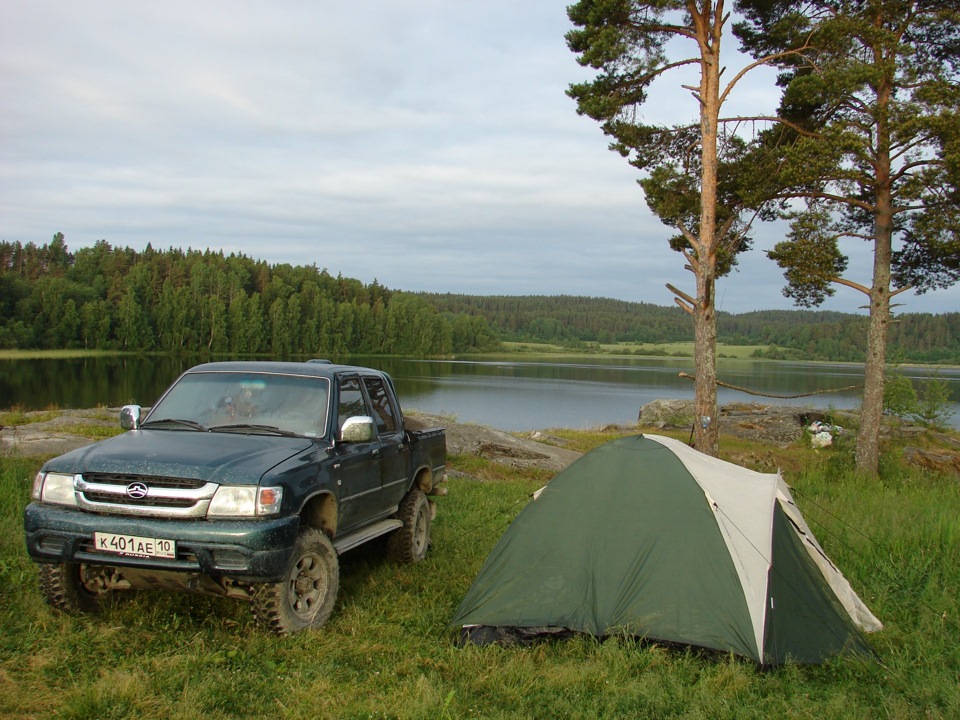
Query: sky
<point x="429" y="145"/>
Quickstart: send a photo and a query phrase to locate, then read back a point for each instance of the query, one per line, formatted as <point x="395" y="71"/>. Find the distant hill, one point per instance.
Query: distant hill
<point x="116" y="298"/>
<point x="799" y="334"/>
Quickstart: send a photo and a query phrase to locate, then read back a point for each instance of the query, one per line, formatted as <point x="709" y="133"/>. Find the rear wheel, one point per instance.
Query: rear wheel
<point x="306" y="596"/>
<point x="75" y="587"/>
<point x="410" y="543"/>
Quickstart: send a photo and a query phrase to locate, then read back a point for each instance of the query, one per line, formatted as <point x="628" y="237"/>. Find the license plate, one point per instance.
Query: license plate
<point x="135" y="545"/>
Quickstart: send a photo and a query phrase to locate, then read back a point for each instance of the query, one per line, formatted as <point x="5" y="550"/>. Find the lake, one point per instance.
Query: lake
<point x="511" y="393"/>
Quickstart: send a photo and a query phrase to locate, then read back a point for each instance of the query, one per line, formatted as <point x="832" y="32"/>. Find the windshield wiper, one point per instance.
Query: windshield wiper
<point x="192" y="424"/>
<point x="273" y="429"/>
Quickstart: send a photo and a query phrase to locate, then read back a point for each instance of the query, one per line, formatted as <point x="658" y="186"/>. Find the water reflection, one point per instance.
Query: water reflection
<point x="503" y="392"/>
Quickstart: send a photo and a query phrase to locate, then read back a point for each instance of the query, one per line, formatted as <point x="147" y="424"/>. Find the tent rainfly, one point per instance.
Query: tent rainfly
<point x="647" y="537"/>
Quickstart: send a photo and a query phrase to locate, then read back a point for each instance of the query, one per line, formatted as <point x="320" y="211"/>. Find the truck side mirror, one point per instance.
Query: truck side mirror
<point x="130" y="417"/>
<point x="357" y="429"/>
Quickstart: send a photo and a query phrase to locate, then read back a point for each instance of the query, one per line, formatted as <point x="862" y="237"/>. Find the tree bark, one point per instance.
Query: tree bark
<point x="871" y="413"/>
<point x="706" y="428"/>
<point x="867" y="454"/>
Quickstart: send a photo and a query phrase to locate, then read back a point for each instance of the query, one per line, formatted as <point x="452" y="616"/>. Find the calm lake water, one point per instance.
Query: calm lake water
<point x="503" y="392"/>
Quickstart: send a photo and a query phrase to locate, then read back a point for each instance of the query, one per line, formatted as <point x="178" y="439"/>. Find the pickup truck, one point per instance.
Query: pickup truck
<point x="245" y="479"/>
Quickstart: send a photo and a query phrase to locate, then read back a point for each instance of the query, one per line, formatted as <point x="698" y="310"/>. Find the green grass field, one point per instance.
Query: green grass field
<point x="387" y="651"/>
<point x="677" y="349"/>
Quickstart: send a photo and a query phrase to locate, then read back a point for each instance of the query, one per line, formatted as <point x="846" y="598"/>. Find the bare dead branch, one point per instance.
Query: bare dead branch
<point x="771" y="119"/>
<point x="686" y="308"/>
<point x="687" y="376"/>
<point x="681" y="295"/>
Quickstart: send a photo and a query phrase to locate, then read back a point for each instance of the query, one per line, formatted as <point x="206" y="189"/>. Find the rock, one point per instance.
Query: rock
<point x="542" y="437"/>
<point x="941" y="460"/>
<point x="663" y="414"/>
<point x="47" y="433"/>
<point x="495" y="445"/>
<point x="780" y="425"/>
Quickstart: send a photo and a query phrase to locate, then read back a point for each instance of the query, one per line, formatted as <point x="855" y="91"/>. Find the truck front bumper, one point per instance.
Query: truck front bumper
<point x="256" y="550"/>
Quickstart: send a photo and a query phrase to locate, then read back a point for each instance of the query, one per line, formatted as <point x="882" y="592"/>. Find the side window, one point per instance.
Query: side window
<point x="383" y="411"/>
<point x="351" y="400"/>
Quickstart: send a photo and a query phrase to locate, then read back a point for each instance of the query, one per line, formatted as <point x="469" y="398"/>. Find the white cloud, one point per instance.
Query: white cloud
<point x="428" y="145"/>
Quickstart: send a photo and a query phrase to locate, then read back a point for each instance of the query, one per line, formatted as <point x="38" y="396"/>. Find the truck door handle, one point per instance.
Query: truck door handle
<point x="375" y="453"/>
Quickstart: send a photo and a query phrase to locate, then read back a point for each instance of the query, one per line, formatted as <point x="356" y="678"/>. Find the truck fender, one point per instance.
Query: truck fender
<point x="320" y="512"/>
<point x="424" y="480"/>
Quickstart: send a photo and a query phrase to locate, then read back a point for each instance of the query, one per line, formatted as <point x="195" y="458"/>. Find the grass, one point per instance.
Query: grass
<point x="675" y="349"/>
<point x="17" y="354"/>
<point x="96" y="424"/>
<point x="16" y="416"/>
<point x="387" y="651"/>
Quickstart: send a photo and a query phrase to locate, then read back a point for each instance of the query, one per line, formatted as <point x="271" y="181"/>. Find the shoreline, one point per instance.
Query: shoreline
<point x="528" y="351"/>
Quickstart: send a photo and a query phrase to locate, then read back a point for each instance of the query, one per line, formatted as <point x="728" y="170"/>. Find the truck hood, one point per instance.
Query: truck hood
<point x="223" y="457"/>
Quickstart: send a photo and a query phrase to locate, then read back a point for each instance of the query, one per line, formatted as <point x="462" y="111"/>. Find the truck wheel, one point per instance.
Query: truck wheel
<point x="73" y="587"/>
<point x="410" y="543"/>
<point x="305" y="598"/>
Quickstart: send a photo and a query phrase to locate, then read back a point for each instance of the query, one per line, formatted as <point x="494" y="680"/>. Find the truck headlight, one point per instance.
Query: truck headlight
<point x="245" y="501"/>
<point x="55" y="488"/>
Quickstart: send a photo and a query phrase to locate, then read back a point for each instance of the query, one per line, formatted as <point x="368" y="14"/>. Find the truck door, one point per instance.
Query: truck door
<point x="356" y="465"/>
<point x="394" y="452"/>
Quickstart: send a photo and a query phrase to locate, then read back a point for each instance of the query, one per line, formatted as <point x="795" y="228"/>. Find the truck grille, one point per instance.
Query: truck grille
<point x="158" y="482"/>
<point x="125" y="494"/>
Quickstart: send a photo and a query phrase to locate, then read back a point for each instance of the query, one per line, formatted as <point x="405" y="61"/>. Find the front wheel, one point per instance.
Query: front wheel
<point x="305" y="597"/>
<point x="75" y="587"/>
<point x="410" y="543"/>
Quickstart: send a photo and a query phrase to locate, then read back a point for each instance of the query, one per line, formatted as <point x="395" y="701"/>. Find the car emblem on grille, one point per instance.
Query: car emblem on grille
<point x="137" y="490"/>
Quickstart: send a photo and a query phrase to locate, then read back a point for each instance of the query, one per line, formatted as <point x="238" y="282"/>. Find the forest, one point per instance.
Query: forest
<point x="788" y="334"/>
<point x="112" y="298"/>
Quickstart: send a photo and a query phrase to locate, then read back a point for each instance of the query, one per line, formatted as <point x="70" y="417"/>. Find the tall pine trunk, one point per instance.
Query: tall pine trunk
<point x="871" y="413"/>
<point x="707" y="430"/>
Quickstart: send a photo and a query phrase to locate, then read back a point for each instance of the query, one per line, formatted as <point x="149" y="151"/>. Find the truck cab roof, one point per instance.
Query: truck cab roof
<point x="310" y="368"/>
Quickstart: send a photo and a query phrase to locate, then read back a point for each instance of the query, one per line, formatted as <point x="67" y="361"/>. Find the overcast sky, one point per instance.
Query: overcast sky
<point x="427" y="145"/>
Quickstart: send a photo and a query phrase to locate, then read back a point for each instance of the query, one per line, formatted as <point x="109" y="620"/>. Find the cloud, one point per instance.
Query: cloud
<point x="430" y="145"/>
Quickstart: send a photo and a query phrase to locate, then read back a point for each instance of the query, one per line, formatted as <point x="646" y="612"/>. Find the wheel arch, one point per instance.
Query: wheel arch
<point x="423" y="479"/>
<point x="320" y="512"/>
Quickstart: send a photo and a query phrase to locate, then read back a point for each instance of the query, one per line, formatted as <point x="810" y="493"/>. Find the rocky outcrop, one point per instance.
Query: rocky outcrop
<point x="780" y="425"/>
<point x="48" y="433"/>
<point x="52" y="432"/>
<point x="535" y="450"/>
<point x="783" y="425"/>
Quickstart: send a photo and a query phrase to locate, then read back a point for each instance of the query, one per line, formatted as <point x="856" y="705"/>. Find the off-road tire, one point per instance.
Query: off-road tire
<point x="305" y="598"/>
<point x="63" y="587"/>
<point x="410" y="543"/>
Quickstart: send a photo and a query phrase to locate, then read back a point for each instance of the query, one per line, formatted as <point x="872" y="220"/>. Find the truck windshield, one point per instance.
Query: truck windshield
<point x="290" y="403"/>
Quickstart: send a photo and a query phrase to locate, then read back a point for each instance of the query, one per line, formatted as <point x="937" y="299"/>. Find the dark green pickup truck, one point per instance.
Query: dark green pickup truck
<point x="246" y="479"/>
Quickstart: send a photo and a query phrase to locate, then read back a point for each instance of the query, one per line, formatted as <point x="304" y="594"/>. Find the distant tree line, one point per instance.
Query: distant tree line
<point x="790" y="334"/>
<point x="567" y="319"/>
<point x="112" y="298"/>
<point x="108" y="298"/>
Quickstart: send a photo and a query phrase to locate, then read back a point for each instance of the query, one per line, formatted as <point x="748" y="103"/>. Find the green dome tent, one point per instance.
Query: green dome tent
<point x="647" y="537"/>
